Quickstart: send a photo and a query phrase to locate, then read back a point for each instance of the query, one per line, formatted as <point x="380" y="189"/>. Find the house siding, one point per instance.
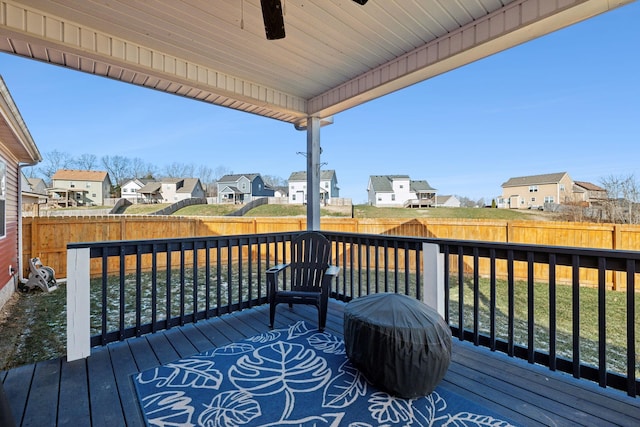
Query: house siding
<point x="534" y="195"/>
<point x="96" y="191"/>
<point x="298" y="187"/>
<point x="9" y="241"/>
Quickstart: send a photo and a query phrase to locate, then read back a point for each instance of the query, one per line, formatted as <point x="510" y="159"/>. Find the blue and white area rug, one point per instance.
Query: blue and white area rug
<point x="295" y="376"/>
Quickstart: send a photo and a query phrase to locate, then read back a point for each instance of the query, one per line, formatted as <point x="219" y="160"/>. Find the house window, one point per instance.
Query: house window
<point x="3" y="198"/>
<point x="326" y="185"/>
<point x="533" y="189"/>
<point x="293" y="197"/>
<point x="88" y="185"/>
<point x="124" y="190"/>
<point x="561" y="187"/>
<point x="401" y="186"/>
<point x="548" y="199"/>
<point x="393" y="197"/>
<point x="72" y="185"/>
<point x="93" y="195"/>
<point x="533" y="199"/>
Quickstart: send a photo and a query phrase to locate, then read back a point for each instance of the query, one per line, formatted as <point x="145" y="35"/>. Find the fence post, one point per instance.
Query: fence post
<point x="433" y="278"/>
<point x="78" y="304"/>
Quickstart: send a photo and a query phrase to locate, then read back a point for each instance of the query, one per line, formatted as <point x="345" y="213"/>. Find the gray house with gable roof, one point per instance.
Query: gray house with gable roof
<point x="242" y="188"/>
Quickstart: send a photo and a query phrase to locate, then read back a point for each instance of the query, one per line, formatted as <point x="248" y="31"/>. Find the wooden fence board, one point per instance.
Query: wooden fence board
<point x="47" y="237"/>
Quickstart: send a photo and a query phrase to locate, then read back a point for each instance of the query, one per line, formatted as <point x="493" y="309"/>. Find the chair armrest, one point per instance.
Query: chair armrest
<point x="277" y="268"/>
<point x="272" y="279"/>
<point x="332" y="271"/>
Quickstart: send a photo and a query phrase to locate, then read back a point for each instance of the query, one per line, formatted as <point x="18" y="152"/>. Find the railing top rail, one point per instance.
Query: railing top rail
<point x="564" y="255"/>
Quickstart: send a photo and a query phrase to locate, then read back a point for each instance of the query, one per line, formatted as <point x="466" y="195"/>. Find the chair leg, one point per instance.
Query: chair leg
<point x="272" y="314"/>
<point x="322" y="317"/>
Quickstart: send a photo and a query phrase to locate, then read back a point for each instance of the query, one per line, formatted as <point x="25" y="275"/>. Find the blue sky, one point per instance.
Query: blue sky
<point x="567" y="102"/>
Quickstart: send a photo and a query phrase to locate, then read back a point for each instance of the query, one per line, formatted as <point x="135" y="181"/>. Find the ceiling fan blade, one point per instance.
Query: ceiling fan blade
<point x="273" y="19"/>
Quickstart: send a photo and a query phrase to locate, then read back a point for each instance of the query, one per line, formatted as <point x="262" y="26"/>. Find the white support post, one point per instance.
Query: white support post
<point x="78" y="304"/>
<point x="433" y="277"/>
<point x="313" y="173"/>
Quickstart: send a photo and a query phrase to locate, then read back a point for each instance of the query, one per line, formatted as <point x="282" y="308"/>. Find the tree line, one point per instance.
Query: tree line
<point x="121" y="169"/>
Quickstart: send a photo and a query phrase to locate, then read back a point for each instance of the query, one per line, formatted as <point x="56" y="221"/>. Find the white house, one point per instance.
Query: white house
<point x="176" y="189"/>
<point x="399" y="191"/>
<point x="298" y="187"/>
<point x="130" y="189"/>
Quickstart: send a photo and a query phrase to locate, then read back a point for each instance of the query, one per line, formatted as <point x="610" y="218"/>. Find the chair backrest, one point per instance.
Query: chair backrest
<point x="310" y="257"/>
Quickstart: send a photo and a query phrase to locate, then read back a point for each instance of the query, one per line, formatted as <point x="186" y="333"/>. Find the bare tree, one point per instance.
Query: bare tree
<point x="274" y="181"/>
<point x="623" y="194"/>
<point x="141" y="169"/>
<point x="118" y="168"/>
<point x="52" y="162"/>
<point x="179" y="170"/>
<point x="86" y="162"/>
<point x="221" y="171"/>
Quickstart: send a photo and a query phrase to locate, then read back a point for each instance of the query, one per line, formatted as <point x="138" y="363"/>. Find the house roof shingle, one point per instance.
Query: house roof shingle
<point x="238" y="176"/>
<point x="325" y="175"/>
<point x="80" y="175"/>
<point x="549" y="178"/>
<point x="588" y="186"/>
<point x="420" y="186"/>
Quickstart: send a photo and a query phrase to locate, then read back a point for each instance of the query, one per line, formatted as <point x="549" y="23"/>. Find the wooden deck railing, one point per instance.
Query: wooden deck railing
<point x="196" y="278"/>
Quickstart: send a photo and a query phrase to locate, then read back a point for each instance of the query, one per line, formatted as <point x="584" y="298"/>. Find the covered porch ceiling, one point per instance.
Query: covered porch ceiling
<point x="337" y="54"/>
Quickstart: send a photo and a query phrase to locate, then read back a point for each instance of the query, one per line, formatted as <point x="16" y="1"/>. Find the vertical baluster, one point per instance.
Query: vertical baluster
<point x="154" y="287"/>
<point x="575" y="309"/>
<point x="138" y="289"/>
<point x="631" y="328"/>
<point x="602" y="322"/>
<point x="531" y="349"/>
<point x="552" y="313"/>
<point x="511" y="304"/>
<point x="460" y="293"/>
<point x="476" y="299"/>
<point x="492" y="299"/>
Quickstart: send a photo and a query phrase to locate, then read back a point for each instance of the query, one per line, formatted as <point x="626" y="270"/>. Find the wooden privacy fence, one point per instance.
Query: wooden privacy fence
<point x="47" y="238"/>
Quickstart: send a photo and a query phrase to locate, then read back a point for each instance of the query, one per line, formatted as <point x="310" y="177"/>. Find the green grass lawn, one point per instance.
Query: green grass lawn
<point x="358" y="211"/>
<point x="365" y="211"/>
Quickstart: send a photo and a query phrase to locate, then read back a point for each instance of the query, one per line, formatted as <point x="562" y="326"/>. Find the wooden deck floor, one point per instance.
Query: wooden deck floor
<point x="98" y="391"/>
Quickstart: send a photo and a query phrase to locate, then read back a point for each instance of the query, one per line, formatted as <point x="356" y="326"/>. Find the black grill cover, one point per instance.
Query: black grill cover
<point x="400" y="344"/>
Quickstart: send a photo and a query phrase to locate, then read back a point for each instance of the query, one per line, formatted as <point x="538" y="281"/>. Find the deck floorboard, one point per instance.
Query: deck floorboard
<point x="99" y="391"/>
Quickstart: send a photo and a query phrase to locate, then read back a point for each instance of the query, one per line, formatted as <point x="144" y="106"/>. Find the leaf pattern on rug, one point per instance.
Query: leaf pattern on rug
<point x="186" y="373"/>
<point x="231" y="408"/>
<point x="295" y="376"/>
<point x="345" y="388"/>
<point x="169" y="408"/>
<point x="327" y="343"/>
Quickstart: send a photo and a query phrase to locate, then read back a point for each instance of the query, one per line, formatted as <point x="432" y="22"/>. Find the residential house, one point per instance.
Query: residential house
<point x="72" y="187"/>
<point x="532" y="192"/>
<point x="328" y="187"/>
<point x="37" y="185"/>
<point x="176" y="189"/>
<point x="130" y="189"/>
<point x="589" y="193"/>
<point x="447" y="201"/>
<point x="151" y="192"/>
<point x="242" y="188"/>
<point x="34" y="194"/>
<point x="399" y="191"/>
<point x="17" y="149"/>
